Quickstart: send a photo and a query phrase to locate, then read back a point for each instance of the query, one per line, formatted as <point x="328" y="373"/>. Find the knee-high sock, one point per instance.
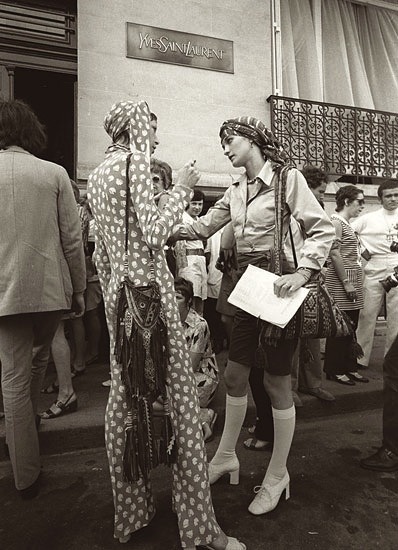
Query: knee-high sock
<point x="235" y="412"/>
<point x="284" y="423"/>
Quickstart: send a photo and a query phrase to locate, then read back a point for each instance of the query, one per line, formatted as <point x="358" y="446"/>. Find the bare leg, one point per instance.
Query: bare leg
<point x="61" y="355"/>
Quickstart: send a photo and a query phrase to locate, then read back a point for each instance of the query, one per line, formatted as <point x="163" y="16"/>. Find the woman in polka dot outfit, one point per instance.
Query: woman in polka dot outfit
<point x="133" y="130"/>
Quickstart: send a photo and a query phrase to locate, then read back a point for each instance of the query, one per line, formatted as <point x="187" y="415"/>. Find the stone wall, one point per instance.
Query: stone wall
<point x="190" y="103"/>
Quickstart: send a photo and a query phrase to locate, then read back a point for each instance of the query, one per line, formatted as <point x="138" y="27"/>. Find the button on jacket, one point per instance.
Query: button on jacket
<point x="251" y="208"/>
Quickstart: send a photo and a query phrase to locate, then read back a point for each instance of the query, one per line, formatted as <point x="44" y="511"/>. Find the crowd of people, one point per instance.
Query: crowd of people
<point x="138" y="247"/>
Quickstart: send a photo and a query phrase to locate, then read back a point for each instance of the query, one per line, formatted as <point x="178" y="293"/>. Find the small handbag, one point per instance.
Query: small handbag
<point x="319" y="316"/>
<point x="141" y="348"/>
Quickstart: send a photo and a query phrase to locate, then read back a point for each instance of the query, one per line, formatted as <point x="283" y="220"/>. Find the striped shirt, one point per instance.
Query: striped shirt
<point x="350" y="251"/>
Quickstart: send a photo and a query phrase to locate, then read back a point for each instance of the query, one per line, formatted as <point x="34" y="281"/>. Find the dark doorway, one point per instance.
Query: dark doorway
<point x="51" y="96"/>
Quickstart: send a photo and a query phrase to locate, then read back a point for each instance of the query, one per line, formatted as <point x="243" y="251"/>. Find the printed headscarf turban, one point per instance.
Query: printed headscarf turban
<point x="133" y="118"/>
<point x="256" y="131"/>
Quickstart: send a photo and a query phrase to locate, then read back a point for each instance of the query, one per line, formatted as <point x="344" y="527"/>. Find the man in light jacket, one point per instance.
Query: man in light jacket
<point x="42" y="274"/>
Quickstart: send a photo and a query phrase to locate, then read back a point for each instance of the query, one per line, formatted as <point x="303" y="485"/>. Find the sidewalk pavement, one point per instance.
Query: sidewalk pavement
<point x="84" y="429"/>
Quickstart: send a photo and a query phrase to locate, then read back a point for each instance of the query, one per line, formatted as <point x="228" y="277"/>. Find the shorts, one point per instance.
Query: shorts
<point x="93" y="295"/>
<point x="196" y="272"/>
<point x="244" y="344"/>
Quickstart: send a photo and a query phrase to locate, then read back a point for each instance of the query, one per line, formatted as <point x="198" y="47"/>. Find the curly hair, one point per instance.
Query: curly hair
<point x="348" y="192"/>
<point x="20" y="126"/>
<point x="165" y="171"/>
<point x="314" y="176"/>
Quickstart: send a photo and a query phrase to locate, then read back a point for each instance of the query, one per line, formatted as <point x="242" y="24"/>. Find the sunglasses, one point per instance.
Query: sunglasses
<point x="361" y="202"/>
<point x="156" y="179"/>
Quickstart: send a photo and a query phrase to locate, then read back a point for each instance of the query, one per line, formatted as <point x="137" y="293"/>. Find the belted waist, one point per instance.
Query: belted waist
<point x="195" y="252"/>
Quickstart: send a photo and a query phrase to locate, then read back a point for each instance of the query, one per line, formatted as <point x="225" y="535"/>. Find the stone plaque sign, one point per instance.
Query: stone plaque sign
<point x="179" y="48"/>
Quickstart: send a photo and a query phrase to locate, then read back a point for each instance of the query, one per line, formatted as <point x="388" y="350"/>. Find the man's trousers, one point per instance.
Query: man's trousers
<point x="378" y="267"/>
<point x="25" y="341"/>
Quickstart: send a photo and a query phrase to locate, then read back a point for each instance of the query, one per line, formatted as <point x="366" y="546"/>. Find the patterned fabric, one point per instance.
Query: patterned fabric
<point x="197" y="335"/>
<point x="350" y="251"/>
<point x="84" y="224"/>
<point x="318" y="316"/>
<point x="254" y="129"/>
<point x="149" y="229"/>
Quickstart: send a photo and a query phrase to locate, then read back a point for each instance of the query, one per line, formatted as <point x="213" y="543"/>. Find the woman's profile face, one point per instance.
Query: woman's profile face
<point x="157" y="182"/>
<point x="355" y="207"/>
<point x="319" y="192"/>
<point x="238" y="149"/>
<point x="153" y="138"/>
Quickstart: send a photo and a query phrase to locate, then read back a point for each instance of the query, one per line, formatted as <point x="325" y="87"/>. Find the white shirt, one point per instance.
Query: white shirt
<point x="377" y="230"/>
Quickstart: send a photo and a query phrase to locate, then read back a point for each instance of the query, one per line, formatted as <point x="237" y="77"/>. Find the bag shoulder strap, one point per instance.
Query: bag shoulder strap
<point x="293" y="247"/>
<point x="126" y="227"/>
<point x="280" y="202"/>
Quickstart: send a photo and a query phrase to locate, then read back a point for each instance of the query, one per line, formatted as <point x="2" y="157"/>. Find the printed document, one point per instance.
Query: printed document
<point x="254" y="293"/>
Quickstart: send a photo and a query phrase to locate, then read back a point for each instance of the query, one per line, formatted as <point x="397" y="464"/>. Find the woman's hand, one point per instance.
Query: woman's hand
<point x="288" y="284"/>
<point x="189" y="175"/>
<point x="350" y="291"/>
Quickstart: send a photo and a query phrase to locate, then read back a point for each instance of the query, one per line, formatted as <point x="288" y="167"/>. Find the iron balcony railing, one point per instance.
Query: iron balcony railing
<point x="342" y="140"/>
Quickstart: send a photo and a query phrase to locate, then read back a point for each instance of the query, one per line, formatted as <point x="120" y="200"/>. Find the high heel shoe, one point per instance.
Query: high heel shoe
<point x="230" y="467"/>
<point x="344" y="381"/>
<point x="268" y="496"/>
<point x="59" y="408"/>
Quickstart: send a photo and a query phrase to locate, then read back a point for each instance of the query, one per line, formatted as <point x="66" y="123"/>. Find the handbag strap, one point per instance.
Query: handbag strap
<point x="126" y="225"/>
<point x="280" y="201"/>
<point x="293" y="247"/>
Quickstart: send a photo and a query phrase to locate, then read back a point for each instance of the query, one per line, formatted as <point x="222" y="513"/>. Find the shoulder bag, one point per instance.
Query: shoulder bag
<point x="141" y="349"/>
<point x="319" y="316"/>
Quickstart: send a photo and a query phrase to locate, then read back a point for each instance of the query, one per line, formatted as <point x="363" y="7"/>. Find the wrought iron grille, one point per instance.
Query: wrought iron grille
<point x="339" y="138"/>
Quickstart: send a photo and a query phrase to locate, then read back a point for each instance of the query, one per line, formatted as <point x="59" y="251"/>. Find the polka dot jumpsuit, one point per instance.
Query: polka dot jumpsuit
<point x="148" y="228"/>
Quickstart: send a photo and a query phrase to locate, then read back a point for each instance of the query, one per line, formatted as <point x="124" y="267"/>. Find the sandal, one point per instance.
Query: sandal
<point x="254" y="444"/>
<point x="77" y="372"/>
<point x="52" y="388"/>
<point x="59" y="408"/>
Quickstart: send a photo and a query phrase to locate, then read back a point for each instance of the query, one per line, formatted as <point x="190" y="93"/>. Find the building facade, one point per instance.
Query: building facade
<point x="71" y="60"/>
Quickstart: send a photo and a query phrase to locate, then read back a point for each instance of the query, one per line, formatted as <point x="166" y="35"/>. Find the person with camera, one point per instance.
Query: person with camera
<point x="378" y="233"/>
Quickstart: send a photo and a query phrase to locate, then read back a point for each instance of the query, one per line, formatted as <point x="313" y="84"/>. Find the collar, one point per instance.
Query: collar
<point x="337" y="215"/>
<point x="265" y="175"/>
<point x="191" y="318"/>
<point x="15" y="149"/>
